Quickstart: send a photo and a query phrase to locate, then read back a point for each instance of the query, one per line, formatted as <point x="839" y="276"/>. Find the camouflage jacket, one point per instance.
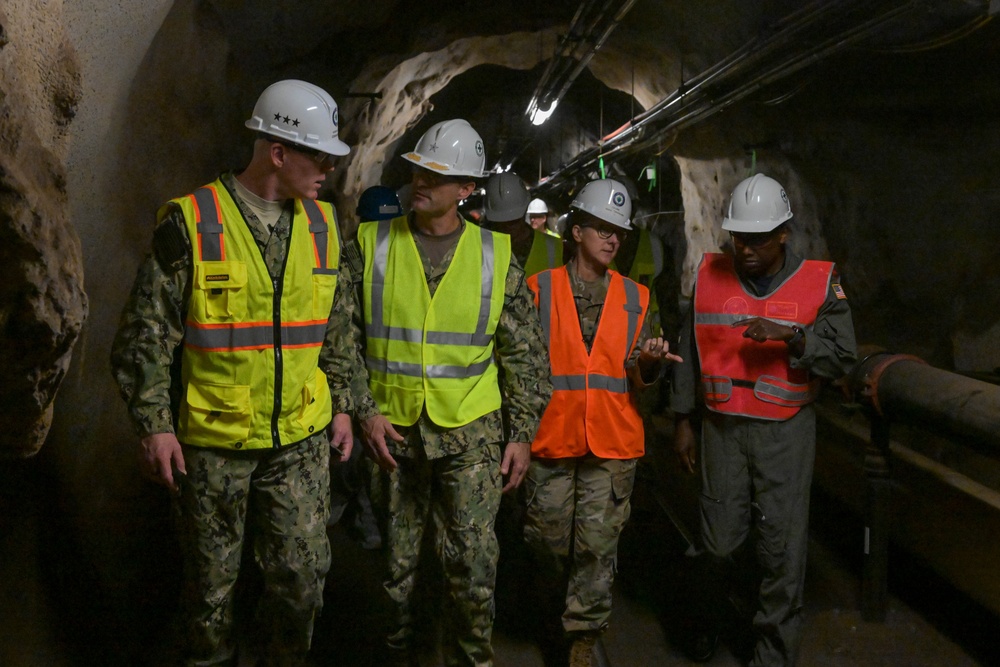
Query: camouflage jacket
<point x="520" y="352"/>
<point x="145" y="355"/>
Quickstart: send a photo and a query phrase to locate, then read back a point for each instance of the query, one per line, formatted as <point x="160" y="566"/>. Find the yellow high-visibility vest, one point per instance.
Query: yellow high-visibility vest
<point x="433" y="353"/>
<point x="546" y="253"/>
<point x="250" y="363"/>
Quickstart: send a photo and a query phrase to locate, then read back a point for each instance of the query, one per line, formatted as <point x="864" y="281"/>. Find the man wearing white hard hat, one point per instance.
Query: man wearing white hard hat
<point x="244" y="283"/>
<point x="584" y="456"/>
<point x="765" y="328"/>
<point x="505" y="210"/>
<point x="444" y="308"/>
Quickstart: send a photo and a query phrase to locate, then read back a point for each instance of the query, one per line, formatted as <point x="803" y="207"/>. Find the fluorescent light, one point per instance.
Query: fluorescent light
<point x="538" y="116"/>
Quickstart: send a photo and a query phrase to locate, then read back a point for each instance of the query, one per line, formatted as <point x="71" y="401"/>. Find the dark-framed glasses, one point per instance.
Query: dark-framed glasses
<point x="607" y="231"/>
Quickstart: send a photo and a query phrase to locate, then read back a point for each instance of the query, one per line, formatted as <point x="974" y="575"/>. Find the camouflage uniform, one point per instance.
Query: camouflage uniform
<point x="448" y="481"/>
<point x="289" y="539"/>
<point x="577" y="506"/>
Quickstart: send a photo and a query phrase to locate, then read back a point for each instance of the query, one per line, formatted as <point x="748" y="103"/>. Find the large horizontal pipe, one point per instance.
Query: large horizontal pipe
<point x="904" y="387"/>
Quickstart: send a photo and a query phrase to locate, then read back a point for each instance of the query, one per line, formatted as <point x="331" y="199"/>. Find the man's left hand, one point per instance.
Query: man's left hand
<point x="516" y="457"/>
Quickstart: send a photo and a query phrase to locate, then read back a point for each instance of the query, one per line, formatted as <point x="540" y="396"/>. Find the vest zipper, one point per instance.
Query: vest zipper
<point x="278" y="284"/>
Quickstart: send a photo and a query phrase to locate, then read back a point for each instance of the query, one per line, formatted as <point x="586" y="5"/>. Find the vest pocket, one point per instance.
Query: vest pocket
<point x="218" y="414"/>
<point x="219" y="291"/>
<point x="316" y="411"/>
<point x="324" y="287"/>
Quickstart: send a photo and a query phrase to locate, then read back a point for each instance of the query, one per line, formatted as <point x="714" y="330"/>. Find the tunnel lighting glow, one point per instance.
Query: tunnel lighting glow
<point x="538" y="116"/>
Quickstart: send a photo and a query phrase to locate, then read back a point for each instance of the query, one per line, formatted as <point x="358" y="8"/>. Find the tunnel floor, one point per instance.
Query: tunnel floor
<point x="927" y="623"/>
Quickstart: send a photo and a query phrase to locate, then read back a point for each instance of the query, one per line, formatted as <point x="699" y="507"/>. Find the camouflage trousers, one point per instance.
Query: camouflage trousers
<point x="576" y="509"/>
<point x="454" y="501"/>
<point x="278" y="501"/>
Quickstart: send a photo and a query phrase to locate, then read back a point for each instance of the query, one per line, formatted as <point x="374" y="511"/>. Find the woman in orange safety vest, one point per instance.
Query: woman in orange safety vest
<point x="584" y="455"/>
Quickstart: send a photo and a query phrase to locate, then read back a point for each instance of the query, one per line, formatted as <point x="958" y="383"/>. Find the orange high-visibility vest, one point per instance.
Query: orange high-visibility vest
<point x="591" y="407"/>
<point x="741" y="376"/>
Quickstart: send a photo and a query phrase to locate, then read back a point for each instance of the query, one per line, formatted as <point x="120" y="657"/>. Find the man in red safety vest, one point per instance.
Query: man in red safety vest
<point x="765" y="327"/>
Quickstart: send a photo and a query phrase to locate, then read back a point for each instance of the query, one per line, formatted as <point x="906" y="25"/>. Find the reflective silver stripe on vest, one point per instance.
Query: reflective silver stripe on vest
<point x="634" y="309"/>
<point x="591" y="381"/>
<point x="434" y="371"/>
<point x="319" y="229"/>
<point x="728" y="319"/>
<point x="795" y="394"/>
<point x="607" y="383"/>
<point x="545" y="302"/>
<point x="378" y="329"/>
<point x="569" y="382"/>
<point x="236" y="337"/>
<point x="208" y="225"/>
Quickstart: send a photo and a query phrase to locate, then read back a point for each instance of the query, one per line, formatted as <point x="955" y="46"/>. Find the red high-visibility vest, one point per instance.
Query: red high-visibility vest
<point x="741" y="376"/>
<point x="591" y="407"/>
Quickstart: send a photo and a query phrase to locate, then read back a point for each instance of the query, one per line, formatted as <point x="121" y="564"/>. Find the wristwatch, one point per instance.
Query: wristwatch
<point x="797" y="336"/>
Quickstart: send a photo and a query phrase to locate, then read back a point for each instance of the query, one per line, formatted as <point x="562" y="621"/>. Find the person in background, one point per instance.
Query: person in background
<point x="245" y="290"/>
<point x="765" y="327"/>
<point x="506" y="205"/>
<point x="537" y="216"/>
<point x="580" y="480"/>
<point x="444" y="307"/>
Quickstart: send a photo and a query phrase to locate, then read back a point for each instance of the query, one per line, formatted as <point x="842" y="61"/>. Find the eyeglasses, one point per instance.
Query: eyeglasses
<point x="752" y="239"/>
<point x="317" y="156"/>
<point x="606" y="232"/>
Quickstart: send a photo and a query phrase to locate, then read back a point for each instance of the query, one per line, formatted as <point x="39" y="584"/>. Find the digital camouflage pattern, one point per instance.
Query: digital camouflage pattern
<point x="576" y="510"/>
<point x="289" y="538"/>
<point x="449" y="481"/>
<point x="465" y="488"/>
<point x="291" y="497"/>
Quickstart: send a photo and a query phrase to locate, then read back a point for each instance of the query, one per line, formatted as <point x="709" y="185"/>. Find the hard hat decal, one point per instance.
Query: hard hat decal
<point x="479" y="148"/>
<point x="784" y="197"/>
<point x="433" y="148"/>
<point x="336" y="118"/>
<point x="618" y="199"/>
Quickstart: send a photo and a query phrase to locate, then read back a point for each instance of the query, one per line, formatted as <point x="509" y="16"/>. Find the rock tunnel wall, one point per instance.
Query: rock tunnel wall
<point x="42" y="301"/>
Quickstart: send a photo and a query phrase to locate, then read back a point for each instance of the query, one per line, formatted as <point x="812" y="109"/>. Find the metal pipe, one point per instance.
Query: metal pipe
<point x="696" y="104"/>
<point x="903" y="387"/>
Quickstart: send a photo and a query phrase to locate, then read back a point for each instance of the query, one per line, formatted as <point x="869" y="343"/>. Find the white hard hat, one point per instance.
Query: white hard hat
<point x="300" y="113"/>
<point x="506" y="197"/>
<point x="452" y="148"/>
<point x="537" y="206"/>
<point x="758" y="204"/>
<point x="606" y="199"/>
